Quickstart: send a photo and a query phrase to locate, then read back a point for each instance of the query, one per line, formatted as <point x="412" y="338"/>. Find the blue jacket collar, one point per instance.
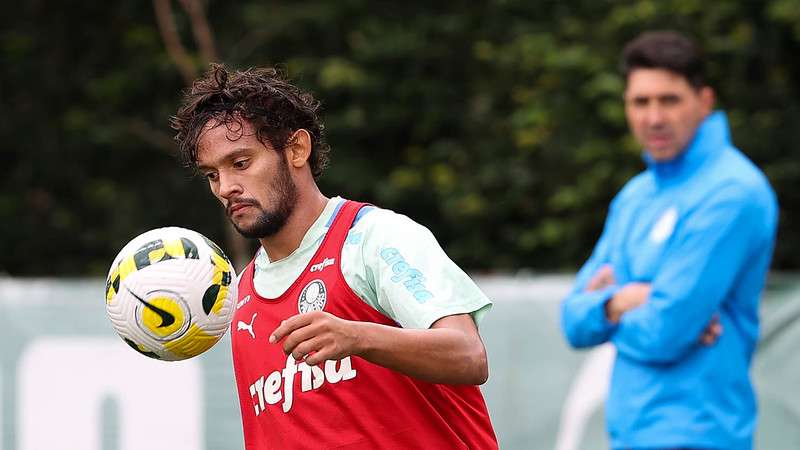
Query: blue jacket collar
<point x="712" y="135"/>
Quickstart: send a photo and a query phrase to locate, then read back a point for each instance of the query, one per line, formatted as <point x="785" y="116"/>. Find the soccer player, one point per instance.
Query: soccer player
<point x="353" y="329"/>
<point x="675" y="279"/>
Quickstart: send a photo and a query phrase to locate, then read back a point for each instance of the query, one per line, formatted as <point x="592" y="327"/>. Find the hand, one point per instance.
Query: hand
<point x="316" y="337"/>
<point x="631" y="295"/>
<point x="712" y="332"/>
<point x="603" y="278"/>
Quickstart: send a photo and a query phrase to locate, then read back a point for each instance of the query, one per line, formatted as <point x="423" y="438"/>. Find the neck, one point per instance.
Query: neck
<point x="710" y="138"/>
<point x="309" y="206"/>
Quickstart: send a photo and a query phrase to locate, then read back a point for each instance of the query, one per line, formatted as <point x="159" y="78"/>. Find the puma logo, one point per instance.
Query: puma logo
<point x="247" y="326"/>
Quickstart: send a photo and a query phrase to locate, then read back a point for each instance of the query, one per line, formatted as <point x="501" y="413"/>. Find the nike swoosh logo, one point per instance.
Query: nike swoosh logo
<point x="167" y="318"/>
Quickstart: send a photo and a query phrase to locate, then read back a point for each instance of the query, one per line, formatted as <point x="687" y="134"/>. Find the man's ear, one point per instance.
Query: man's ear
<point x="707" y="99"/>
<point x="298" y="148"/>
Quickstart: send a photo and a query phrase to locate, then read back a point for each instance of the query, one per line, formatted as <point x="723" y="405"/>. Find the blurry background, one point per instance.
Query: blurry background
<point x="497" y="124"/>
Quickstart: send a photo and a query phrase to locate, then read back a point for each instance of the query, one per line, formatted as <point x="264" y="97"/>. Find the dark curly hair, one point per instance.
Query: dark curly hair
<point x="263" y="97"/>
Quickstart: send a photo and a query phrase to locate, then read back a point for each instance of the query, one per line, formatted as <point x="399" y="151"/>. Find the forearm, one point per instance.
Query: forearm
<point x="437" y="355"/>
<point x="583" y="318"/>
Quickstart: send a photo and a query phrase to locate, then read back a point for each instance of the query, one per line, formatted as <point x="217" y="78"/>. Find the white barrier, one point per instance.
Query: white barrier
<point x="64" y="382"/>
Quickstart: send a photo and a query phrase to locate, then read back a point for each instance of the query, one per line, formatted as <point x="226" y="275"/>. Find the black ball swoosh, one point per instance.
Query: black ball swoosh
<point x="167" y="318"/>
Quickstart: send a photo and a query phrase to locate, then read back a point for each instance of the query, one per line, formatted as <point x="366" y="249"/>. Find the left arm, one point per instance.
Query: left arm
<point x="450" y="352"/>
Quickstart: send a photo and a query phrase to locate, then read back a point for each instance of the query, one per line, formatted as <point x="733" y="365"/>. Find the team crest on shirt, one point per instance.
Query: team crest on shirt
<point x="664" y="226"/>
<point x="312" y="297"/>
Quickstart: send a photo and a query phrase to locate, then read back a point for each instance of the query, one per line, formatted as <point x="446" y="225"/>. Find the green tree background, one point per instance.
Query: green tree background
<point x="498" y="124"/>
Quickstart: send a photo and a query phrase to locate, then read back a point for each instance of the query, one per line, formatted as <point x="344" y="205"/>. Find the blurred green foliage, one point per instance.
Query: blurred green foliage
<point x="498" y="124"/>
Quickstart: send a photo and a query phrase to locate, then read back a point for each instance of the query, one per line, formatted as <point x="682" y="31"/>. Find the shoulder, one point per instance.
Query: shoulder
<point x="746" y="173"/>
<point x="636" y="187"/>
<point x="642" y="181"/>
<point x="742" y="200"/>
<point x="379" y="224"/>
<point x="734" y="178"/>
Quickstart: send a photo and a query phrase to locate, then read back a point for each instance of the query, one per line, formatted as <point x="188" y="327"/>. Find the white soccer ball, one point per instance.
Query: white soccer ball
<point x="170" y="293"/>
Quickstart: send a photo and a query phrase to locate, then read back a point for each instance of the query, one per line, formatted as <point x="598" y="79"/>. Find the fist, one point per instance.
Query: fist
<point x="316" y="337"/>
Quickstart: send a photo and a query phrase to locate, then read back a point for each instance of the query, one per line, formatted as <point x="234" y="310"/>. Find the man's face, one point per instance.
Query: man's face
<point x="664" y="111"/>
<point x="250" y="178"/>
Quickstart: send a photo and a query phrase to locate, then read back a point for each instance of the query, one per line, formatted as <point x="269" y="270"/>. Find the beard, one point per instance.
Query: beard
<point x="269" y="222"/>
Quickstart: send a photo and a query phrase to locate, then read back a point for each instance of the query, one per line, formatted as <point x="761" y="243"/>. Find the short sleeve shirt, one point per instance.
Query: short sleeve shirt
<point x="392" y="263"/>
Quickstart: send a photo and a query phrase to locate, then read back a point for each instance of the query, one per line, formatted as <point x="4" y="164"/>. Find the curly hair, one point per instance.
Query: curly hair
<point x="262" y="97"/>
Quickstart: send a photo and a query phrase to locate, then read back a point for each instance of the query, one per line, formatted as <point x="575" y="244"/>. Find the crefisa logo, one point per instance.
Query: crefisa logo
<point x="312" y="297"/>
<point x="242" y="302"/>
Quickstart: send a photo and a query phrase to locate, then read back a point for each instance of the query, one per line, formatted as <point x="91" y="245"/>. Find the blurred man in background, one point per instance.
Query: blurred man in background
<point x="353" y="329"/>
<point x="675" y="279"/>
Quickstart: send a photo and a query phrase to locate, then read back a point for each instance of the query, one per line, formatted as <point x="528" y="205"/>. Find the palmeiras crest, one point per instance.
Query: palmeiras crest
<point x="312" y="297"/>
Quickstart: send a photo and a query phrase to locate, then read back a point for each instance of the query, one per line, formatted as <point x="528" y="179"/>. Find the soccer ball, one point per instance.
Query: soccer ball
<point x="170" y="293"/>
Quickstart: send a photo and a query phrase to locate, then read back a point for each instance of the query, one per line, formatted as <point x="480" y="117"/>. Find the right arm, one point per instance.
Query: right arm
<point x="449" y="352"/>
<point x="409" y="278"/>
<point x="583" y="314"/>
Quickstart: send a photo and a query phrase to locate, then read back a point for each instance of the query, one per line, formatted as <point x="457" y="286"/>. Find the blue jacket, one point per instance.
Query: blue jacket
<point x="701" y="229"/>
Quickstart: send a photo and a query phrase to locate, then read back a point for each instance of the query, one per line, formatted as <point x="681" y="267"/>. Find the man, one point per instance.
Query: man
<point x="354" y="330"/>
<point x="674" y="281"/>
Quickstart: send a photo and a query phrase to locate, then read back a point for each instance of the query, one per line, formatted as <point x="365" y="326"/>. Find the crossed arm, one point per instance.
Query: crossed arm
<point x="633" y="295"/>
<point x="450" y="351"/>
<point x="660" y="322"/>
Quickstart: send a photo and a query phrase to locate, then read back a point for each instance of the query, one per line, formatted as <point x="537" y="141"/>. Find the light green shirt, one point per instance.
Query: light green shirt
<point x="392" y="263"/>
